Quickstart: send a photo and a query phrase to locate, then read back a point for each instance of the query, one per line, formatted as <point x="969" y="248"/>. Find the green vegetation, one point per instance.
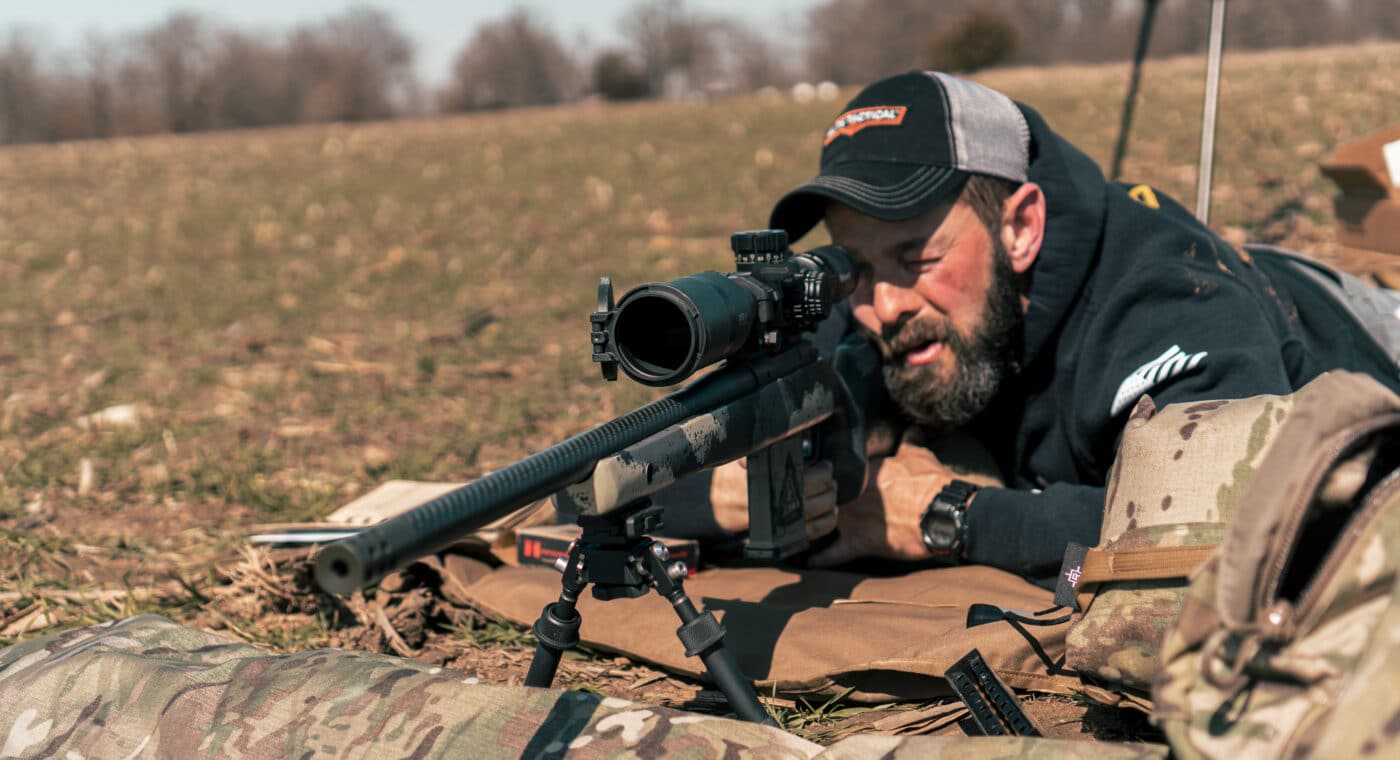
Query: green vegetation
<point x="497" y="631"/>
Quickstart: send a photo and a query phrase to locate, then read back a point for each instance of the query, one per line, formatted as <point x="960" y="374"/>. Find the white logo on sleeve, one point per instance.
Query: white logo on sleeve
<point x="1171" y="363"/>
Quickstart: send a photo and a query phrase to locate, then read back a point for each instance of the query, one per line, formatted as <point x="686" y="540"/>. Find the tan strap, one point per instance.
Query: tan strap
<point x="1147" y="563"/>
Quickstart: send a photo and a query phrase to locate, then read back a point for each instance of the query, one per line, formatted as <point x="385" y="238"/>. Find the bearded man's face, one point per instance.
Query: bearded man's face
<point x="940" y="295"/>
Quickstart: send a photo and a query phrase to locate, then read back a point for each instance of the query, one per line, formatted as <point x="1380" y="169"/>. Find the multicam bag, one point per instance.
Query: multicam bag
<point x="1175" y="486"/>
<point x="146" y="687"/>
<point x="1289" y="640"/>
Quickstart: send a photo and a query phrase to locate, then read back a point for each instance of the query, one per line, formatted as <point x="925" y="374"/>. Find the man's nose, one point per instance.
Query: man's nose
<point x="892" y="302"/>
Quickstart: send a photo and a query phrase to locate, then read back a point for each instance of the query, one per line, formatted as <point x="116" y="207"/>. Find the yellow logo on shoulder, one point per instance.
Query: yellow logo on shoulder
<point x="1143" y="194"/>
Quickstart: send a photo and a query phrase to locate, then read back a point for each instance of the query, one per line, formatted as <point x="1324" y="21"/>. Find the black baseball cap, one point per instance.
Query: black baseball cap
<point x="906" y="143"/>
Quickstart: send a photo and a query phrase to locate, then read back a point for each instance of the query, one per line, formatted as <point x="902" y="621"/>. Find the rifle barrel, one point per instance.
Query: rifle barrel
<point x="364" y="558"/>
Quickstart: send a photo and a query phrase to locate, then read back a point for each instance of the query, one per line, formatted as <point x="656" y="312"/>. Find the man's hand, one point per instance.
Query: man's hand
<point x="729" y="495"/>
<point x="884" y="520"/>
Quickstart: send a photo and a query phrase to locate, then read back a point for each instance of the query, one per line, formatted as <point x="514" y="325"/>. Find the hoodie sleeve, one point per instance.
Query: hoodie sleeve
<point x="1189" y="333"/>
<point x="1025" y="532"/>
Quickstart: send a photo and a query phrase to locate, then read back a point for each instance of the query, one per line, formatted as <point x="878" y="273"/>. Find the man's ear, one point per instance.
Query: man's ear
<point x="1023" y="226"/>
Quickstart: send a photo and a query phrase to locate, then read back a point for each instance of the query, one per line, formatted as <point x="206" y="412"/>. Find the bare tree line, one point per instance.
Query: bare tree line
<point x="190" y="73"/>
<point x="879" y="37"/>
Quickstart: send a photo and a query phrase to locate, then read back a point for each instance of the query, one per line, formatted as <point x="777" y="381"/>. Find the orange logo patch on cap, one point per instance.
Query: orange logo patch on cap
<point x="855" y="120"/>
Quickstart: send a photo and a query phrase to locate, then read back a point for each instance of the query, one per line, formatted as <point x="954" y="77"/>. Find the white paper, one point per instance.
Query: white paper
<point x="1391" y="151"/>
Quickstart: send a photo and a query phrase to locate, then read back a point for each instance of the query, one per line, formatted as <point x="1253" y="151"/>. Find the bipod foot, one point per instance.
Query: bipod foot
<point x="703" y="636"/>
<point x="558" y="624"/>
<point x="619" y="561"/>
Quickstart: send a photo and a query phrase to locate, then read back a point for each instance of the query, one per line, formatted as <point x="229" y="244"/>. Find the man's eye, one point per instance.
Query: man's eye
<point x="922" y="263"/>
<point x="864" y="272"/>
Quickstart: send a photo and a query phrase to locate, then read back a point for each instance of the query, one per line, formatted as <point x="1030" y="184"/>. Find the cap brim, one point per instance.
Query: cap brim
<point x="920" y="190"/>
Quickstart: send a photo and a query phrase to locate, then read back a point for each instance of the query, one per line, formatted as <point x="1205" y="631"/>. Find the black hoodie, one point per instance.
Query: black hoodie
<point x="1129" y="295"/>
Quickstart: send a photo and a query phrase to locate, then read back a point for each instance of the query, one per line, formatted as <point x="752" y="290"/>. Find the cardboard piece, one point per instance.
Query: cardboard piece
<point x="1367" y="171"/>
<point x="392" y="499"/>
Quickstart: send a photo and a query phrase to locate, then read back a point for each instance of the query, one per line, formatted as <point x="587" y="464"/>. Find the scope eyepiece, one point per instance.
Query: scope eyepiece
<point x="660" y="333"/>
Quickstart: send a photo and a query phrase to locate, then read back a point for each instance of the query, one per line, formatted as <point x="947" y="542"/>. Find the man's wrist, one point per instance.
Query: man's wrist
<point x="944" y="522"/>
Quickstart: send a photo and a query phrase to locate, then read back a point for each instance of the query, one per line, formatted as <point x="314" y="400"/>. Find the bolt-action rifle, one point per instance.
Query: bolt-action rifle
<point x="775" y="400"/>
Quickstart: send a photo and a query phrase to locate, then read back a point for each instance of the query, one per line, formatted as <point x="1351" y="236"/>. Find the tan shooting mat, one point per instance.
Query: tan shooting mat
<point x="818" y="631"/>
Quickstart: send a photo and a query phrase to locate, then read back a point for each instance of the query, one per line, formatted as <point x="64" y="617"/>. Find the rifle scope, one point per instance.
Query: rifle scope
<point x="662" y="332"/>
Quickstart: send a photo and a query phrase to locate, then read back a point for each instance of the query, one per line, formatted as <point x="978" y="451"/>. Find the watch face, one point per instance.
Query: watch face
<point x="943" y="521"/>
<point x="940" y="529"/>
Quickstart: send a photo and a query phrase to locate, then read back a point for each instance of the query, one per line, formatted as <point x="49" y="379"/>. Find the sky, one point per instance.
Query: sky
<point x="439" y="27"/>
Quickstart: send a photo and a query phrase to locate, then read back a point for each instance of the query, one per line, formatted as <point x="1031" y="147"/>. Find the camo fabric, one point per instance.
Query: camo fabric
<point x="1288" y="644"/>
<point x="146" y="687"/>
<point x="986" y="748"/>
<point x="1176" y="482"/>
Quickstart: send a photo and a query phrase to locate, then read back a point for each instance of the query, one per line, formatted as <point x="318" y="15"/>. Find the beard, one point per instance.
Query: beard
<point x="943" y="400"/>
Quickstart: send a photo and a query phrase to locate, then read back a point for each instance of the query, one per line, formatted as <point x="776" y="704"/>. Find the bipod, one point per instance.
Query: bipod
<point x="621" y="561"/>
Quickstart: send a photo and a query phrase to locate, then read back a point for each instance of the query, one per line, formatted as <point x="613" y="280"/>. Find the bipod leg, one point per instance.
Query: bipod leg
<point x="703" y="636"/>
<point x="558" y="624"/>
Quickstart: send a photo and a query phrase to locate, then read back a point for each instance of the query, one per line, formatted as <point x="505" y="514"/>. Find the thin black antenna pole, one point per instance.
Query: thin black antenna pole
<point x="1149" y="13"/>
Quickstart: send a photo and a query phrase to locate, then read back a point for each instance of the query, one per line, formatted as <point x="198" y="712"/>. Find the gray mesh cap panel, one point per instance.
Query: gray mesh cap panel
<point x="990" y="136"/>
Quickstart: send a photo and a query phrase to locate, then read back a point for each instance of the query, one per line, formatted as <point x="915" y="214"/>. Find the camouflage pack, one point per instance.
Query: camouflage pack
<point x="146" y="687"/>
<point x="1288" y="643"/>
<point x="1176" y="484"/>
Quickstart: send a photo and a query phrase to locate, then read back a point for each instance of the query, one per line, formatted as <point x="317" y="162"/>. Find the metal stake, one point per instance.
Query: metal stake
<point x="1217" y="43"/>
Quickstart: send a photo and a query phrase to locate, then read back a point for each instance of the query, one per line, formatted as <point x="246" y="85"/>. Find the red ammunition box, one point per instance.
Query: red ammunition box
<point x="543" y="544"/>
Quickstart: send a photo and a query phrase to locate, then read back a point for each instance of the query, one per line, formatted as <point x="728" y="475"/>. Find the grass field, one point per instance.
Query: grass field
<point x="198" y="333"/>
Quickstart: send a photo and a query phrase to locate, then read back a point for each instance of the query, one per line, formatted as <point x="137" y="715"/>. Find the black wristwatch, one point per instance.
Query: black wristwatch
<point x="943" y="523"/>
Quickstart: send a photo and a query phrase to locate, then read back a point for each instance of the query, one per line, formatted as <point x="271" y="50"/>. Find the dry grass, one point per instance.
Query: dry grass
<point x="285" y="318"/>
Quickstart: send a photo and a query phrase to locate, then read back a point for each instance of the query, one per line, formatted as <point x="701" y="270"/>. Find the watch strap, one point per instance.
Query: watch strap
<point x="953" y="498"/>
<point x="958" y="492"/>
